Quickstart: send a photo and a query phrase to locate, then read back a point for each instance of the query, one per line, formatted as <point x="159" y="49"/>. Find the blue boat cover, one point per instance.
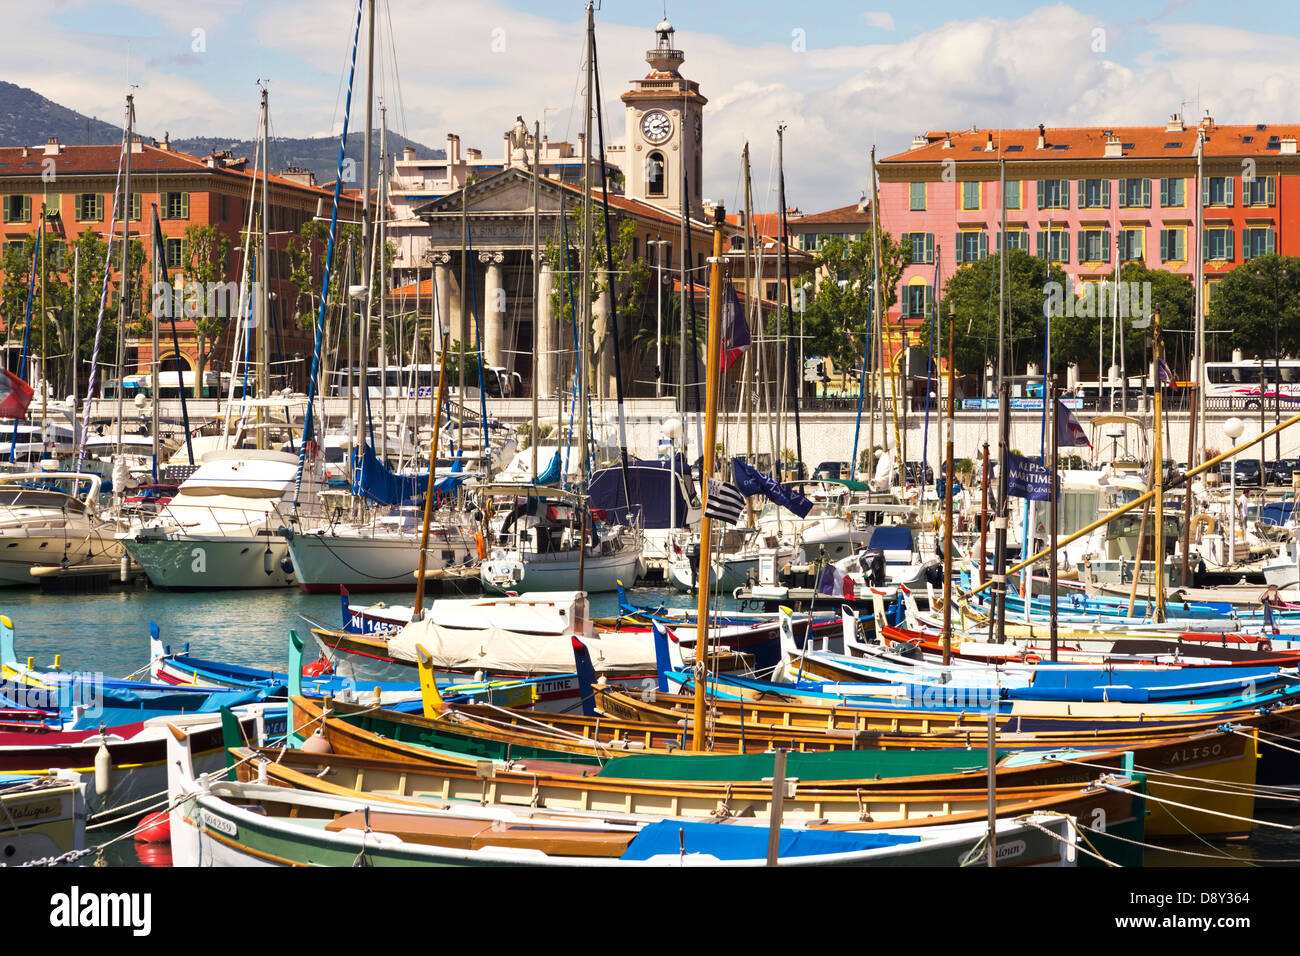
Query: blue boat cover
<point x="551" y="473"/>
<point x="890" y="537"/>
<point x="650" y="484"/>
<point x="376" y="482"/>
<point x="739" y="842"/>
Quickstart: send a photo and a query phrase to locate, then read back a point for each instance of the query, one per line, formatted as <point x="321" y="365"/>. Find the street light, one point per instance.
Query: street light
<point x="659" y="317"/>
<point x="1233" y="428"/>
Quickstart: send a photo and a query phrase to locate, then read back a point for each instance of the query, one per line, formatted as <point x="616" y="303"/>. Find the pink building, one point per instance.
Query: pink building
<point x="1089" y="198"/>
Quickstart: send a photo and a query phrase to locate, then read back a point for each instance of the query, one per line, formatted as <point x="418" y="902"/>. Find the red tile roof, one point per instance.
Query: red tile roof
<point x="1066" y="143"/>
<point x="851" y="215"/>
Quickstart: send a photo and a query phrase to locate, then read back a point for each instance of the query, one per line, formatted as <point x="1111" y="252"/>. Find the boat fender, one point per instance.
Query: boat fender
<point x="317" y="744"/>
<point x="286" y="564"/>
<point x="1264" y="644"/>
<point x="479" y="545"/>
<point x="154" y="828"/>
<point x="103" y="770"/>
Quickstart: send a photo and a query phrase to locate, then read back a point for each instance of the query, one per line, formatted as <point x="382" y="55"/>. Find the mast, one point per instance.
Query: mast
<point x="1158" y="465"/>
<point x="367" y="237"/>
<point x="584" y="349"/>
<point x="710" y="437"/>
<point x="464" y="313"/>
<point x="796" y="383"/>
<point x="382" y="246"/>
<point x="537" y="147"/>
<point x="1199" y="360"/>
<point x="873" y="332"/>
<point x="124" y="298"/>
<point x="947" y="503"/>
<point x="45" y="389"/>
<point x="76" y="333"/>
<point x="1004" y="425"/>
<point x="747" y="385"/>
<point x="157" y="365"/>
<point x="429" y="492"/>
<point x="264" y="297"/>
<point x="1053" y="488"/>
<point x="778" y="455"/>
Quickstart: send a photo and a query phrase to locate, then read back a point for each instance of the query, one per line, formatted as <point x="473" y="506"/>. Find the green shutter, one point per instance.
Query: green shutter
<point x="1270" y="242"/>
<point x="1164" y="244"/>
<point x="929" y="247"/>
<point x="1122" y="185"/>
<point x="1065" y="245"/>
<point x="185" y="205"/>
<point x="1164" y="194"/>
<point x="1228" y="235"/>
<point x="1105" y="193"/>
<point x="1227" y="190"/>
<point x="929" y="299"/>
<point x="1105" y="245"/>
<point x="1205" y="191"/>
<point x="1040" y="194"/>
<point x="984" y="245"/>
<point x="1083" y="246"/>
<point x="1083" y="193"/>
<point x="1205" y="244"/>
<point x="1040" y="244"/>
<point x="1270" y="186"/>
<point x="1146" y="193"/>
<point x="957" y="255"/>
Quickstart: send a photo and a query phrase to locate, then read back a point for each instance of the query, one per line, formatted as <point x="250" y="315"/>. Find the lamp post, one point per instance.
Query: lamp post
<point x="659" y="316"/>
<point x="1233" y="428"/>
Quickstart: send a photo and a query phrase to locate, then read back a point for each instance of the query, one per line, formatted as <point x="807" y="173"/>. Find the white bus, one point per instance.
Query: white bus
<point x="420" y="381"/>
<point x="1242" y="380"/>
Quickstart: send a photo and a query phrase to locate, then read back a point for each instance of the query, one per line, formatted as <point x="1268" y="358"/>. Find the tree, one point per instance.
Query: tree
<point x="205" y="261"/>
<point x="836" y="314"/>
<point x="1243" y="305"/>
<point x="972" y="294"/>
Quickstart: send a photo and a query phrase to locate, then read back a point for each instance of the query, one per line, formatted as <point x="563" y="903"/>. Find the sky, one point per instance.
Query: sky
<point x="841" y="76"/>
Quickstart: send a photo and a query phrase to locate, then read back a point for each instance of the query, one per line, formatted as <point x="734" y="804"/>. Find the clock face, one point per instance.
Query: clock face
<point x="656" y="126"/>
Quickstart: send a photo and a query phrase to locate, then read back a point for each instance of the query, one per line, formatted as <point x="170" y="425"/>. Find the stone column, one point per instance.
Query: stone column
<point x="494" y="307"/>
<point x="441" y="306"/>
<point x="544" y="337"/>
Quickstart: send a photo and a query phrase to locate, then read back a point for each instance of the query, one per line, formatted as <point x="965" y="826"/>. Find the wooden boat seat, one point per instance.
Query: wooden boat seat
<point x="531" y="765"/>
<point x="477" y="834"/>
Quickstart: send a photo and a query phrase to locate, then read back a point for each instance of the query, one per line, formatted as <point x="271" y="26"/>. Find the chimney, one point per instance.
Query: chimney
<point x="988" y="144"/>
<point x="453" y="149"/>
<point x="1042" y="137"/>
<point x="1175" y="124"/>
<point x="297" y="174"/>
<point x="137" y="144"/>
<point x="1114" y="147"/>
<point x="947" y="141"/>
<point x="408" y="152"/>
<point x="52" y="147"/>
<point x="1287" y="146"/>
<point x="1207" y="121"/>
<point x="919" y="140"/>
<point x="167" y="141"/>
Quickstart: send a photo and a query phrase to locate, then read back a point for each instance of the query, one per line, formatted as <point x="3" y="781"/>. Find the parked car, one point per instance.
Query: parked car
<point x="1282" y="471"/>
<point x="832" y="470"/>
<point x="1248" y="472"/>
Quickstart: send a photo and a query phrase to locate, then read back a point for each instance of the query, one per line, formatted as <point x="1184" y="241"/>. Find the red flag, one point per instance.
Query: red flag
<point x="15" y="395"/>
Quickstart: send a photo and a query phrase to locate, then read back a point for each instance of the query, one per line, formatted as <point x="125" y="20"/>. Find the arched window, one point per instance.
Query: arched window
<point x="656" y="175"/>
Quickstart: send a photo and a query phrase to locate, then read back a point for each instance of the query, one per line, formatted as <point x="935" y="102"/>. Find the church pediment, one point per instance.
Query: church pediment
<point x="505" y="193"/>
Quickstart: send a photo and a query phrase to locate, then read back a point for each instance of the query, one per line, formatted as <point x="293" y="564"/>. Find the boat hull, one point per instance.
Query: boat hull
<point x="323" y="561"/>
<point x="201" y="563"/>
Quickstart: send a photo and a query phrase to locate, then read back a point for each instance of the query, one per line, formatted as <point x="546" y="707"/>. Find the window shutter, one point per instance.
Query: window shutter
<point x="1040" y="244"/>
<point x="929" y="300"/>
<point x="27" y="209"/>
<point x="1105" y="245"/>
<point x="1065" y="194"/>
<point x="1164" y="245"/>
<point x="1205" y="244"/>
<point x="1083" y="246"/>
<point x="1227" y="190"/>
<point x="1123" y="193"/>
<point x="929" y="247"/>
<point x="1105" y="193"/>
<point x="984" y="245"/>
<point x="957" y="246"/>
<point x="1083" y="193"/>
<point x="998" y="241"/>
<point x="1040" y="194"/>
<point x="1270" y="186"/>
<point x="1227" y="241"/>
<point x="1205" y="191"/>
<point x="1269" y="241"/>
<point x="1146" y="193"/>
<point x="1164" y="193"/>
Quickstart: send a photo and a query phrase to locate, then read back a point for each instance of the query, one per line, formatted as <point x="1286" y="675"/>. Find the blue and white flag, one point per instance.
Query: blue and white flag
<point x="1068" y="430"/>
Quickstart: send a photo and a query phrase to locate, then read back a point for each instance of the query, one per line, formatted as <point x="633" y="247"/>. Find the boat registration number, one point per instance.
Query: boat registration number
<point x="220" y="824"/>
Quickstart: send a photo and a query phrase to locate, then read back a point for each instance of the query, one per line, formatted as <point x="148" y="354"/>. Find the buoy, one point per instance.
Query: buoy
<point x="154" y="828"/>
<point x="103" y="770"/>
<point x="318" y="667"/>
<point x="317" y="744"/>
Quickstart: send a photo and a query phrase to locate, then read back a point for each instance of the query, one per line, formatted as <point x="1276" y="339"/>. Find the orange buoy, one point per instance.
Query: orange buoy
<point x="479" y="545"/>
<point x="154" y="828"/>
<point x="317" y="744"/>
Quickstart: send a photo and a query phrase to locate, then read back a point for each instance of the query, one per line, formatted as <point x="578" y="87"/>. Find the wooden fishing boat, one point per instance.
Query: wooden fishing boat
<point x="1117" y="812"/>
<point x="242" y="823"/>
<point x="45" y="816"/>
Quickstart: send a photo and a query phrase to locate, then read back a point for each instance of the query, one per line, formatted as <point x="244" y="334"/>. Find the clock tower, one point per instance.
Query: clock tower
<point x="664" y="131"/>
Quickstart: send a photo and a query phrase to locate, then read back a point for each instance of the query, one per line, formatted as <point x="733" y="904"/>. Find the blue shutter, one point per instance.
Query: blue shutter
<point x="1146" y="193"/>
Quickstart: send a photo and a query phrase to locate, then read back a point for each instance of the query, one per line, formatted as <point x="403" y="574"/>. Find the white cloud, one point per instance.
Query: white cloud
<point x="470" y="67"/>
<point x="879" y="20"/>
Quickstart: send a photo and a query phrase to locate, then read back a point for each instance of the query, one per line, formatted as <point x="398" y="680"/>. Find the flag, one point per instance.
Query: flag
<point x="15" y="395"/>
<point x="836" y="583"/>
<point x="724" y="503"/>
<point x="1164" y="375"/>
<point x="735" y="331"/>
<point x="1027" y="479"/>
<point x="1068" y="430"/>
<point x="751" y="481"/>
